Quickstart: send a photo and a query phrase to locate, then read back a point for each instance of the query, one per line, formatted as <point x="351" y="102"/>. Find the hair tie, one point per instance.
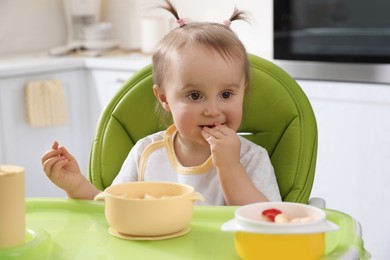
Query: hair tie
<point x="180" y="22"/>
<point x="227" y="23"/>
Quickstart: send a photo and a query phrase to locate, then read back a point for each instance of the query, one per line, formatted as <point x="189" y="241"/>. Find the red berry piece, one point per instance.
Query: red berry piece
<point x="271" y="214"/>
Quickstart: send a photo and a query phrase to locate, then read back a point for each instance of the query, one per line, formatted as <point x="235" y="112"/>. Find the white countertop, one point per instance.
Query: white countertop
<point x="41" y="63"/>
<point x="132" y="62"/>
<point x="12" y="66"/>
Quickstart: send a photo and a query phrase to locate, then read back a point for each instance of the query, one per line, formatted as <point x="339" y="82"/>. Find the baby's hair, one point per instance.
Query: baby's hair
<point x="237" y="15"/>
<point x="170" y="8"/>
<point x="216" y="37"/>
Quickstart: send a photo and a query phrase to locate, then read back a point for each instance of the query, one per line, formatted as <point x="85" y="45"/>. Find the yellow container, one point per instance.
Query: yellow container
<point x="280" y="246"/>
<point x="257" y="238"/>
<point x="12" y="206"/>
<point x="129" y="212"/>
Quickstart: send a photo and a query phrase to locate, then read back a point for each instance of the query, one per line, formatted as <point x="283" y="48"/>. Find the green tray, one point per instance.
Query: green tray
<point x="77" y="229"/>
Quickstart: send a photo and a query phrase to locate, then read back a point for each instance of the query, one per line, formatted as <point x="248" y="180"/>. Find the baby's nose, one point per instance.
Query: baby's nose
<point x="212" y="109"/>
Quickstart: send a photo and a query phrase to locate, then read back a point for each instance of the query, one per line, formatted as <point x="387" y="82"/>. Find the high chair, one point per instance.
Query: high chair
<point x="277" y="116"/>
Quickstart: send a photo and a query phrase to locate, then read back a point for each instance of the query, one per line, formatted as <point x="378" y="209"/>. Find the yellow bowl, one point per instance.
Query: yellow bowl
<point x="257" y="238"/>
<point x="149" y="208"/>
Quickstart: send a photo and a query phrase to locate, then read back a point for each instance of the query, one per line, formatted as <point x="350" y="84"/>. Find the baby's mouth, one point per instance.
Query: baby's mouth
<point x="211" y="126"/>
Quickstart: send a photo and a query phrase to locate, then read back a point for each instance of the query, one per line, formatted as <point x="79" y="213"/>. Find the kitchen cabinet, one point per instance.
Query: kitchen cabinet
<point x="107" y="83"/>
<point x="88" y="83"/>
<point x="353" y="167"/>
<point x="107" y="75"/>
<point x="23" y="145"/>
<point x="104" y="84"/>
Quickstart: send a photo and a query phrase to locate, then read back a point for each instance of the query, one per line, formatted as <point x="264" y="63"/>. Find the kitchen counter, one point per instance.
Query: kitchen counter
<point x="30" y="65"/>
<point x="132" y="62"/>
<point x="37" y="63"/>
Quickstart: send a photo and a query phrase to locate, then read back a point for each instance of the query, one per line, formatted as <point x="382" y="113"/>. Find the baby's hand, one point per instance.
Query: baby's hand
<point x="224" y="144"/>
<point x="61" y="167"/>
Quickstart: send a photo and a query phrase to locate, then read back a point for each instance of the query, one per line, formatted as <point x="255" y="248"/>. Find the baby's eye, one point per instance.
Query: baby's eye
<point x="226" y="95"/>
<point x="195" y="96"/>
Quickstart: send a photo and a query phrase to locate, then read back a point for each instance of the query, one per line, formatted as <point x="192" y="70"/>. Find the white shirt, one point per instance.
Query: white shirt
<point x="153" y="159"/>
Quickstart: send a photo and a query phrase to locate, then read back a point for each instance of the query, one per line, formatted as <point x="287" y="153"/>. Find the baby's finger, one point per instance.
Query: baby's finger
<point x="48" y="165"/>
<point x="50" y="154"/>
<point x="57" y="167"/>
<point x="215" y="132"/>
<point x="224" y="130"/>
<point x="206" y="136"/>
<point x="55" y="145"/>
<point x="67" y="154"/>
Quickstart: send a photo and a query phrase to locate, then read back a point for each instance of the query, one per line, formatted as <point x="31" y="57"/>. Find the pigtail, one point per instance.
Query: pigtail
<point x="172" y="9"/>
<point x="237" y="15"/>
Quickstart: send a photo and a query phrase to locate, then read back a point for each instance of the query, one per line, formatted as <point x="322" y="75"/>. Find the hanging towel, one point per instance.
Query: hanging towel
<point x="45" y="103"/>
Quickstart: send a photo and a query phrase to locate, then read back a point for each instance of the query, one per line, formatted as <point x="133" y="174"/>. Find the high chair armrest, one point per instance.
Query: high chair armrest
<point x="317" y="202"/>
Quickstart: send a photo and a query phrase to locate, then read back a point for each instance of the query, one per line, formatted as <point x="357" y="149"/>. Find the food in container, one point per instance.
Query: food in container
<point x="152" y="209"/>
<point x="259" y="238"/>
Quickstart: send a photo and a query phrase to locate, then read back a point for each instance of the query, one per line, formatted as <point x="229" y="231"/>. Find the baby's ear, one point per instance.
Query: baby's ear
<point x="160" y="95"/>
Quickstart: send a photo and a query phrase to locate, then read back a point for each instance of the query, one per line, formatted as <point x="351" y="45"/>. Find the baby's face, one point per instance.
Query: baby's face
<point x="203" y="89"/>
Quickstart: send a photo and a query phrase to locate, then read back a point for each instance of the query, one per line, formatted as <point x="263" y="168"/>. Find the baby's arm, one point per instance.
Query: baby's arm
<point x="63" y="170"/>
<point x="236" y="185"/>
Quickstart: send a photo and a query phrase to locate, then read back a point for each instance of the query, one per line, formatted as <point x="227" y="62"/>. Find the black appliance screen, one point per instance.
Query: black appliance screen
<point x="332" y="30"/>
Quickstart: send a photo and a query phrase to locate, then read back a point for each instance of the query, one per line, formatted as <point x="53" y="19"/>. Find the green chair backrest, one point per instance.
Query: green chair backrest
<point x="277" y="115"/>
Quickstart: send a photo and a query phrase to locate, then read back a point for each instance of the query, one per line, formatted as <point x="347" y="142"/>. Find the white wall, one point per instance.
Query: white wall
<point x="37" y="25"/>
<point x="30" y="26"/>
<point x="256" y="35"/>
